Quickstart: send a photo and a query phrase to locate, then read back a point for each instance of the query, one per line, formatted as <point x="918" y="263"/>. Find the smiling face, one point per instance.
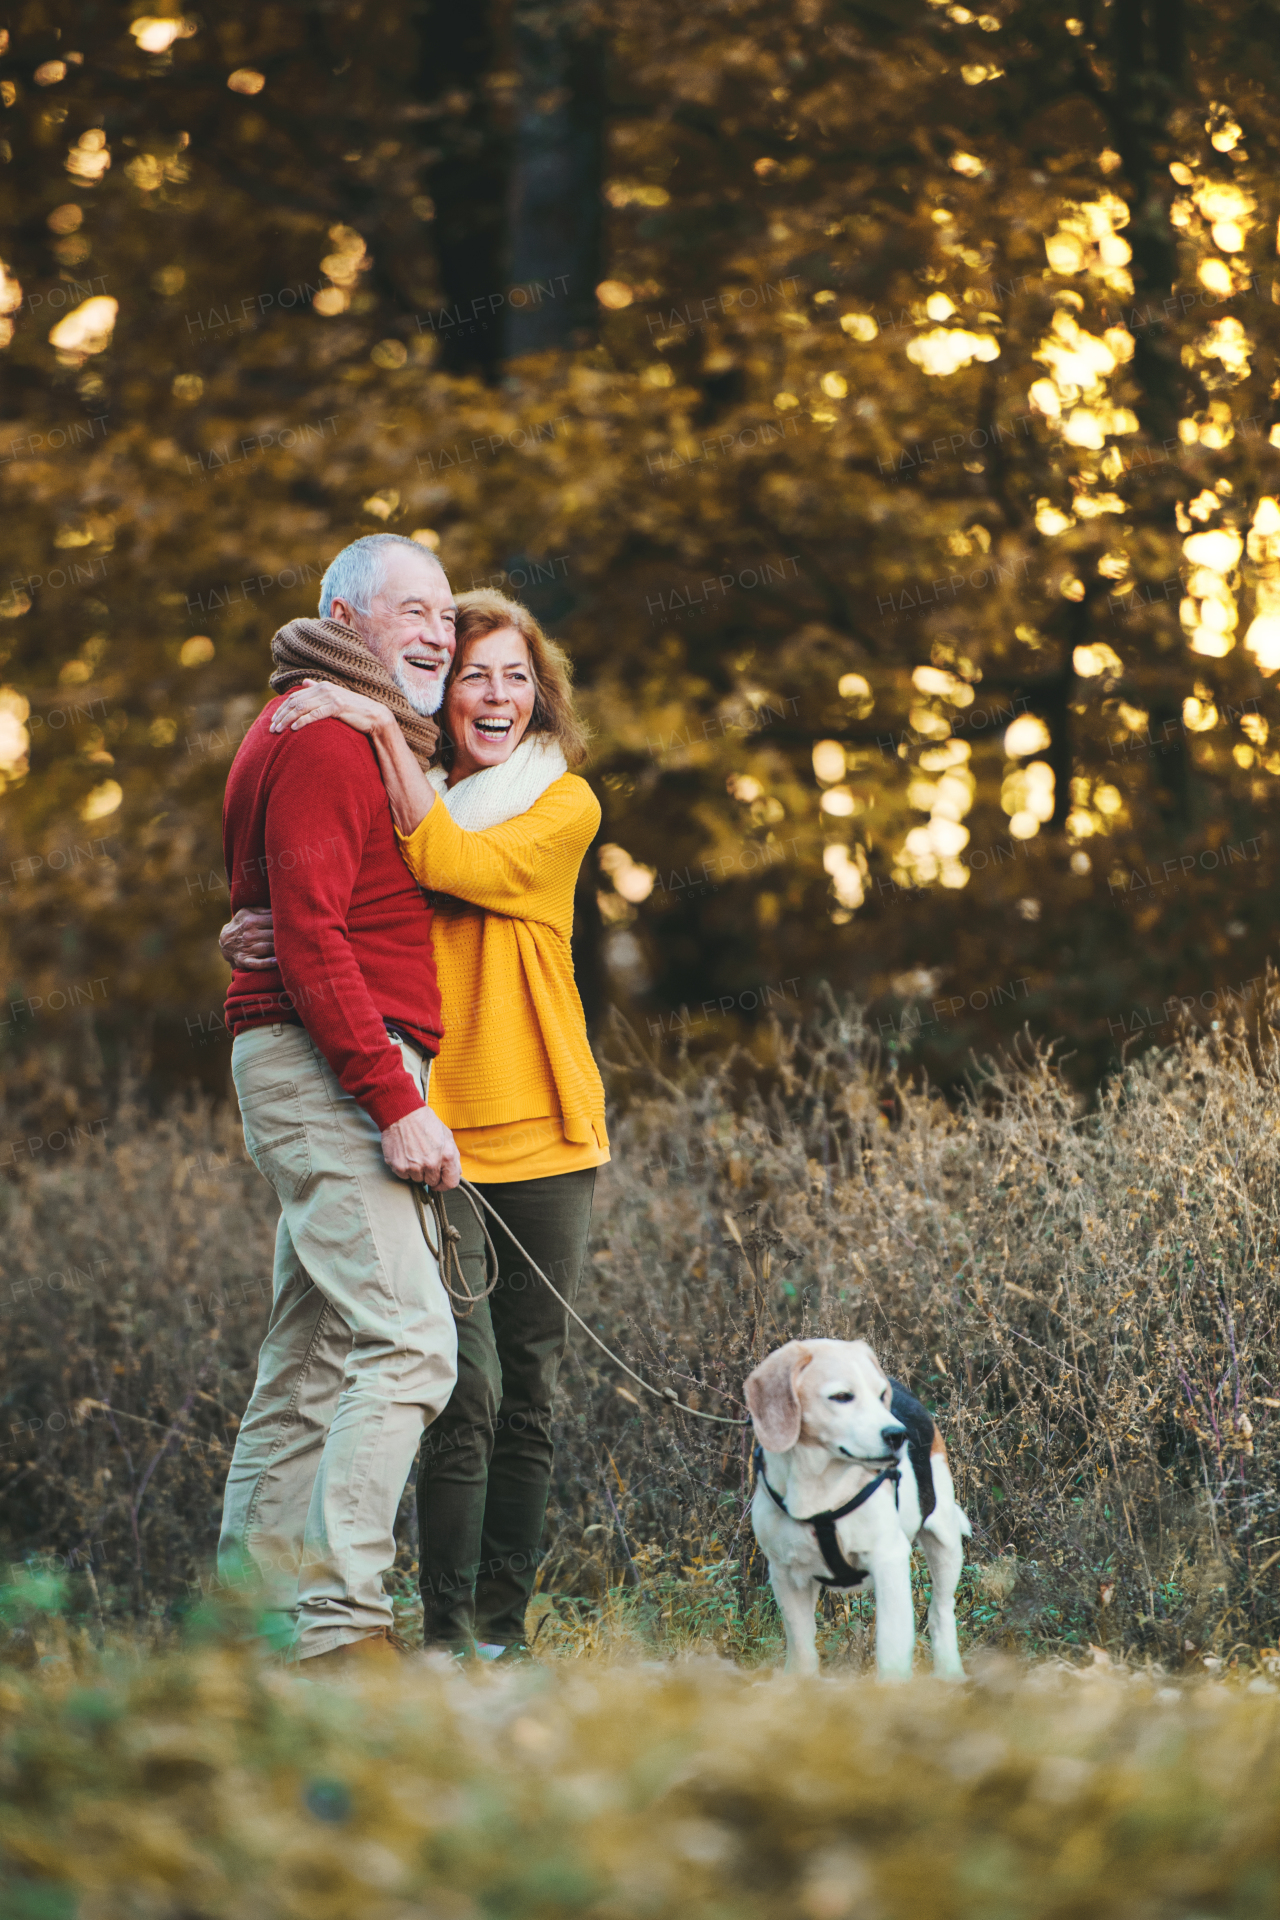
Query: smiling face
<point x="489" y="702"/>
<point x="409" y="625"/>
<point x="826" y="1393"/>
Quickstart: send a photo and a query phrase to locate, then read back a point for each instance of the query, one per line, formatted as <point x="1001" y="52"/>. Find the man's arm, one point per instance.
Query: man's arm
<point x="325" y="797"/>
<point x="410" y="792"/>
<point x="412" y="1151"/>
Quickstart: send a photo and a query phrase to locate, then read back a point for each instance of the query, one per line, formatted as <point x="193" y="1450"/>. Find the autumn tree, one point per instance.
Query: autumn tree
<point x="903" y="485"/>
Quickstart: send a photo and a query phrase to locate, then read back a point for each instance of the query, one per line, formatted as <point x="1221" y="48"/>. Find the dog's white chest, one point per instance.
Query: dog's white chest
<point x="794" y="1543"/>
<point x="791" y="1543"/>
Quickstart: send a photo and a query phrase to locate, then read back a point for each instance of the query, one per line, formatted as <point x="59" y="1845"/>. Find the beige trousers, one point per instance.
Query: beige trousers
<point x="360" y="1353"/>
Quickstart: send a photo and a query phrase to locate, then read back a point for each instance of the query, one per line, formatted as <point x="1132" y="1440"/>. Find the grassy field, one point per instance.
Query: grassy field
<point x="1087" y="1296"/>
<point x="204" y="1785"/>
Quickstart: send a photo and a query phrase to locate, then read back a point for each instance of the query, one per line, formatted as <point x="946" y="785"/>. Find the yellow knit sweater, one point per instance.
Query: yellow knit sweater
<point x="515" y="1045"/>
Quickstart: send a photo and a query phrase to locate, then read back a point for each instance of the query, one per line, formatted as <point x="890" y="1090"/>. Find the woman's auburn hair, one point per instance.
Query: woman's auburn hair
<point x="485" y="610"/>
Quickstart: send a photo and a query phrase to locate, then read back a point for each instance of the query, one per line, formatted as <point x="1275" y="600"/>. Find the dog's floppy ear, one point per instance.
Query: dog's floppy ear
<point x="867" y="1354"/>
<point x="772" y="1398"/>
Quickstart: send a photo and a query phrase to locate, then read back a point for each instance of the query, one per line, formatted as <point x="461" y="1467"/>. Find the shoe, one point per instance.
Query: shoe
<point x="512" y="1654"/>
<point x="374" y="1649"/>
<point x="450" y="1649"/>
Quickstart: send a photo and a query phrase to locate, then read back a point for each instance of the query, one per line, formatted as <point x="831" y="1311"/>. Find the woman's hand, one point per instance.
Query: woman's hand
<point x="321" y="700"/>
<point x="408" y="789"/>
<point x="247" y="941"/>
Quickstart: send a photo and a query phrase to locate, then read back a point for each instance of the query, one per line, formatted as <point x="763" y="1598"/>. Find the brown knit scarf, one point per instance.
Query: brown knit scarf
<point x="326" y="650"/>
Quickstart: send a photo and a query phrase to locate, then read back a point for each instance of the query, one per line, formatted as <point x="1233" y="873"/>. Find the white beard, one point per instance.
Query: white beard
<point x="423" y="700"/>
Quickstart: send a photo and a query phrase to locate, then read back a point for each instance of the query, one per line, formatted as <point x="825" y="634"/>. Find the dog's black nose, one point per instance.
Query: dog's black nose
<point x="893" y="1437"/>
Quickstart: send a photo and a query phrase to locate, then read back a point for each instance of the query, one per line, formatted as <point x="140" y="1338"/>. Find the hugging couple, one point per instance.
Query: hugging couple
<point x="404" y="1010"/>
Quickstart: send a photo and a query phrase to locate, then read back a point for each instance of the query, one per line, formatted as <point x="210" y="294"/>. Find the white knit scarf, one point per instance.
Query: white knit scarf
<point x="495" y="794"/>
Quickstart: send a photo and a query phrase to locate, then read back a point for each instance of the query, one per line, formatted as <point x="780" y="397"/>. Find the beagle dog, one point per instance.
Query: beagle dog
<point x="850" y="1471"/>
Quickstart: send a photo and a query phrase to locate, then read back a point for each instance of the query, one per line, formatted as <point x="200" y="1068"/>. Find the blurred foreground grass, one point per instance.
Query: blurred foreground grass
<point x="203" y="1782"/>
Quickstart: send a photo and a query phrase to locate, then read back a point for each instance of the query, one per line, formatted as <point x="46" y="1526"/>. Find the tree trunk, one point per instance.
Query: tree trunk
<point x="517" y="187"/>
<point x="1149" y="53"/>
<point x="554" y="209"/>
<point x="469" y="184"/>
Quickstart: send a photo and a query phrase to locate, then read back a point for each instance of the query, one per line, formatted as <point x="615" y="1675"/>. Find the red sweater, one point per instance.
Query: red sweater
<point x="306" y="831"/>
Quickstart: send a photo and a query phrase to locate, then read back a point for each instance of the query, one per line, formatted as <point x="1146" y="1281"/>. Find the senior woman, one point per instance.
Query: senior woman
<point x="497" y="831"/>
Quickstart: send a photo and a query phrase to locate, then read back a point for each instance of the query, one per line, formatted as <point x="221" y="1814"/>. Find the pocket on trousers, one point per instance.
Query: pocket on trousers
<point x="276" y="1135"/>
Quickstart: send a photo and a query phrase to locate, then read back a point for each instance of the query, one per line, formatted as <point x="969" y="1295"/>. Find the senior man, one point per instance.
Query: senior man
<point x="333" y="1048"/>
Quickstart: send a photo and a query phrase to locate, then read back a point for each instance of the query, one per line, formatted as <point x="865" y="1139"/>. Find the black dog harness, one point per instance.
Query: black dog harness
<point x="824" y="1524"/>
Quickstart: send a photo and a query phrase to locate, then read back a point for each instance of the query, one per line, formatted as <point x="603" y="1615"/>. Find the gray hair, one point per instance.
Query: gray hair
<point x="356" y="574"/>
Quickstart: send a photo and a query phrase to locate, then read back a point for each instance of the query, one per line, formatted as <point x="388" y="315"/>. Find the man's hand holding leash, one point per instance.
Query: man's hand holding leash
<point x="420" y="1147"/>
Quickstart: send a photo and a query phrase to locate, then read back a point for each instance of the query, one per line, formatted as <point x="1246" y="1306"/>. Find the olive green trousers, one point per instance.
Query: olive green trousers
<point x="484" y="1468"/>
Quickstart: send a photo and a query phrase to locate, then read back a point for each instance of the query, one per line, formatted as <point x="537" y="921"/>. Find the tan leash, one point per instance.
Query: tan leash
<point x="445" y="1250"/>
<point x="447" y="1243"/>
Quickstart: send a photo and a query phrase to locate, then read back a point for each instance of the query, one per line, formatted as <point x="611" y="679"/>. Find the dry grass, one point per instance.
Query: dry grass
<point x="201" y="1786"/>
<point x="1088" y="1299"/>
